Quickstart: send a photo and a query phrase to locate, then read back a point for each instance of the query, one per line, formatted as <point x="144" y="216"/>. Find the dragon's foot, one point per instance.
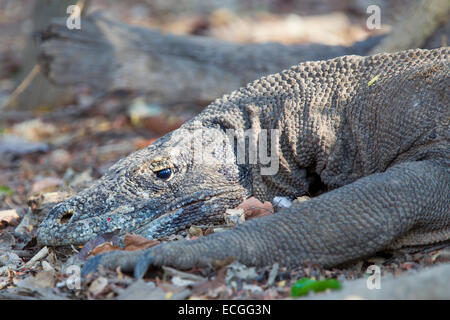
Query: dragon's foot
<point x="181" y="255"/>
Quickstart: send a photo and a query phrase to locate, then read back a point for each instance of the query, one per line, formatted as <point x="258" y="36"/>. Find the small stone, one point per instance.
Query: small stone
<point x="195" y="231"/>
<point x="97" y="286"/>
<point x="234" y="216"/>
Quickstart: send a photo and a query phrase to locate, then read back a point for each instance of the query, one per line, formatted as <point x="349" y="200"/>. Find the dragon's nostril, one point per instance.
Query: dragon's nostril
<point x="66" y="217"/>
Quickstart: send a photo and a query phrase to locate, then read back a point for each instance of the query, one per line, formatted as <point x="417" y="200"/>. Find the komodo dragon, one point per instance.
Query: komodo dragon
<point x="370" y="135"/>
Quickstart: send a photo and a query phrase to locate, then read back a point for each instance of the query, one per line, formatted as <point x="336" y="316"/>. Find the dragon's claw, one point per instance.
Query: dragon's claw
<point x="142" y="264"/>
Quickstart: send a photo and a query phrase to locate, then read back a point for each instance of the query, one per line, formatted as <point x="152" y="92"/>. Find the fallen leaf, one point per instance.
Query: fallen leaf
<point x="92" y="244"/>
<point x="206" y="286"/>
<point x="97" y="286"/>
<point x="60" y="158"/>
<point x="135" y="242"/>
<point x="104" y="247"/>
<point x="153" y="117"/>
<point x="27" y="227"/>
<point x="44" y="279"/>
<point x="254" y="208"/>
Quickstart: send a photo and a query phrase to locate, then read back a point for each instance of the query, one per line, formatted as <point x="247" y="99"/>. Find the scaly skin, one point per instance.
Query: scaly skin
<point x="370" y="131"/>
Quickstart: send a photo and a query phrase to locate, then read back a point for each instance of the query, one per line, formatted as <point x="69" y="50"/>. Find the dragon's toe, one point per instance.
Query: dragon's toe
<point x="91" y="265"/>
<point x="142" y="264"/>
<point x="126" y="260"/>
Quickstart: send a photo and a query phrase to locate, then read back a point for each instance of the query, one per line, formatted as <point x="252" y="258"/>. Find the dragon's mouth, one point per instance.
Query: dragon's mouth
<point x="176" y="218"/>
<point x="147" y="220"/>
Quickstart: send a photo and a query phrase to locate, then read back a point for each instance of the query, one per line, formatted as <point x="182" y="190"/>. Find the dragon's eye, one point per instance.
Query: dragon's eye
<point x="164" y="174"/>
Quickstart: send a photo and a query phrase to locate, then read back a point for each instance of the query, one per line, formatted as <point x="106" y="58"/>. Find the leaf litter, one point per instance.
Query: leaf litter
<point x="47" y="159"/>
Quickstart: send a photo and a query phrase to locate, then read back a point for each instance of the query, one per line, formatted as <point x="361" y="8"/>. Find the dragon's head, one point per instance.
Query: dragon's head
<point x="188" y="176"/>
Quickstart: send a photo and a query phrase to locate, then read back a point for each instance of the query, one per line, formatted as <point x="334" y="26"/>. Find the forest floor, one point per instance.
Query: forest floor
<point x="50" y="153"/>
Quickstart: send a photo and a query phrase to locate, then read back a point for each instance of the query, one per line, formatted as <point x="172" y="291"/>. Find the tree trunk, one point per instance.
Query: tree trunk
<point x="38" y="90"/>
<point x="110" y="55"/>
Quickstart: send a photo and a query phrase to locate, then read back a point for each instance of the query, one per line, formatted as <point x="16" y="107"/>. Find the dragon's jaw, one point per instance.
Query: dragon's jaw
<point x="132" y="197"/>
<point x="150" y="220"/>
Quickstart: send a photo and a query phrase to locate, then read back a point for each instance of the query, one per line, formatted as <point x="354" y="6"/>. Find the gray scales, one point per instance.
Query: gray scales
<point x="369" y="133"/>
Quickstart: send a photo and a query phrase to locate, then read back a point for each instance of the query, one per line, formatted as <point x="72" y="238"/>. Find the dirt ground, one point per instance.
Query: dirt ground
<point x="52" y="152"/>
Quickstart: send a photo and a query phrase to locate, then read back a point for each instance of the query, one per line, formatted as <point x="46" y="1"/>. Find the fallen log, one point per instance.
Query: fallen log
<point x="109" y="55"/>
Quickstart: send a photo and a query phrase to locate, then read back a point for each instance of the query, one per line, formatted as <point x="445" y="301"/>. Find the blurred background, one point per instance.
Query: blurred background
<point x="101" y="101"/>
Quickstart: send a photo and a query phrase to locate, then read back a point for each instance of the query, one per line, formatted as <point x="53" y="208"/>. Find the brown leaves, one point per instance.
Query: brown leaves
<point x="103" y="248"/>
<point x="208" y="286"/>
<point x="249" y="209"/>
<point x="134" y="242"/>
<point x="253" y="208"/>
<point x="107" y="242"/>
<point x="100" y="244"/>
<point x="97" y="286"/>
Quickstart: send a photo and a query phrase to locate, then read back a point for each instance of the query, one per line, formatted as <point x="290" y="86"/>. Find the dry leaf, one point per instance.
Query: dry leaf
<point x="44" y="279"/>
<point x="104" y="247"/>
<point x="254" y="208"/>
<point x="134" y="242"/>
<point x="98" y="241"/>
<point x="206" y="286"/>
<point x="97" y="286"/>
